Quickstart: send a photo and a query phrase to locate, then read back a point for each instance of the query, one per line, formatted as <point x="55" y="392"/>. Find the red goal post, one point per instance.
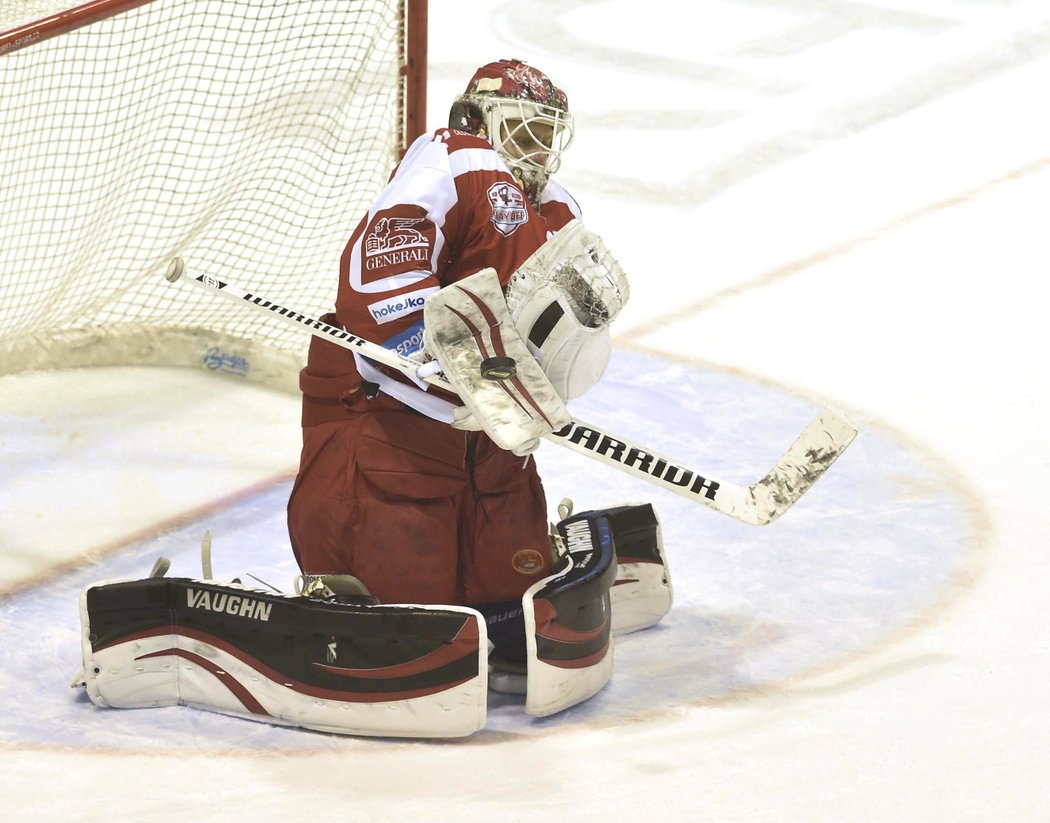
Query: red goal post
<point x="244" y="136"/>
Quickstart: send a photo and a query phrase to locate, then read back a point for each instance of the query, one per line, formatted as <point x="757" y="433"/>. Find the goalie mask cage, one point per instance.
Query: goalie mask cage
<point x="244" y="136"/>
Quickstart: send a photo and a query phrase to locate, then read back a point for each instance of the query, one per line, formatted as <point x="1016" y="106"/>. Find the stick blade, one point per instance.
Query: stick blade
<point x="802" y="465"/>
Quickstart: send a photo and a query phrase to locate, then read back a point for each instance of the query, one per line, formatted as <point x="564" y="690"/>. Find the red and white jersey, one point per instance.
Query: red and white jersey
<point x="450" y="209"/>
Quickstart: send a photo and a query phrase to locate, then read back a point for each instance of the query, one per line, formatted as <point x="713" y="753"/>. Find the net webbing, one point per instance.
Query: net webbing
<point x="244" y="137"/>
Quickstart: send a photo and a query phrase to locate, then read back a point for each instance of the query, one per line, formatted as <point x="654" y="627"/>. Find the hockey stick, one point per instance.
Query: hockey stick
<point x="809" y="457"/>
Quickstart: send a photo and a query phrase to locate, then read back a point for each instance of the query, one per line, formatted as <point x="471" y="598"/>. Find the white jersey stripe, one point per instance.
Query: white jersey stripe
<point x="467" y="160"/>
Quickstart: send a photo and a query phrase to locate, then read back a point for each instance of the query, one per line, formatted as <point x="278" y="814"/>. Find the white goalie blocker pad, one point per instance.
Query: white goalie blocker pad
<point x="346" y="668"/>
<point x="467" y="328"/>
<point x="562" y="300"/>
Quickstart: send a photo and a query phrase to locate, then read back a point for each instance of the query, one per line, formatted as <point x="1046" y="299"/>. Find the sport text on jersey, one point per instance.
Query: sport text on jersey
<point x="631" y="457"/>
<point x="394" y="308"/>
<point x="228" y="604"/>
<point x="407" y="342"/>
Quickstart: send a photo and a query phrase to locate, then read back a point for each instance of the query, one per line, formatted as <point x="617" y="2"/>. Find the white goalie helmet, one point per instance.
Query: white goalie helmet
<point x="522" y="114"/>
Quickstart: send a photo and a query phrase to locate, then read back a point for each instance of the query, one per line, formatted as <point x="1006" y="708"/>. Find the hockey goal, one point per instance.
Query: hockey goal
<point x="244" y="136"/>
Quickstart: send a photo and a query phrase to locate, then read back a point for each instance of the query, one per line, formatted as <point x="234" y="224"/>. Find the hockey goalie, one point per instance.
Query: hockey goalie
<point x="418" y="519"/>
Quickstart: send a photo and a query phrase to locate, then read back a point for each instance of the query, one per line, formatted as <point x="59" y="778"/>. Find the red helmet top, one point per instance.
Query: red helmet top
<point x="517" y="80"/>
<point x="522" y="114"/>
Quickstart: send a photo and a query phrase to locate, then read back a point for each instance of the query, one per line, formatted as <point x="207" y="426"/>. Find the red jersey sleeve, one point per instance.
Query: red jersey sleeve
<point x="558" y="206"/>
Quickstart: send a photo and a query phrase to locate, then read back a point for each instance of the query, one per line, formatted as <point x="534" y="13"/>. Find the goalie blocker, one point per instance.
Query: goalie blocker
<point x="345" y="664"/>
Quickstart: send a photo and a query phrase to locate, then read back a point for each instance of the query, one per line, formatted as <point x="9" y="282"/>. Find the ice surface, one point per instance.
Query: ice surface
<point x="833" y="202"/>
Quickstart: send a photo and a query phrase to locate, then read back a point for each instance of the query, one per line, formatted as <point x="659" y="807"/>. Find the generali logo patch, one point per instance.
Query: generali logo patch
<point x="396" y="243"/>
<point x="508" y="208"/>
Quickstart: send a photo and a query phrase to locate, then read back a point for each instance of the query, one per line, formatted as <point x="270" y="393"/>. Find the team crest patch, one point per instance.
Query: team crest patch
<point x="508" y="208"/>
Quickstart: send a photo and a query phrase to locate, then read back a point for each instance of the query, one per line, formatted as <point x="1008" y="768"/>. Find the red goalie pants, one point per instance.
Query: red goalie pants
<point x="418" y="511"/>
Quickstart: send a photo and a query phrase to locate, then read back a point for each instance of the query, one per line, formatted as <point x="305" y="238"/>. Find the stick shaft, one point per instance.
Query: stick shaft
<point x="801" y="466"/>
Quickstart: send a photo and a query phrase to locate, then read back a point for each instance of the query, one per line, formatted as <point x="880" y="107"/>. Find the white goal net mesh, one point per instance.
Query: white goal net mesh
<point x="245" y="137"/>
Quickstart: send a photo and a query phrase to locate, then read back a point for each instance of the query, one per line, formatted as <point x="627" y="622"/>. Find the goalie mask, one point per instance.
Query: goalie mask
<point x="522" y="114"/>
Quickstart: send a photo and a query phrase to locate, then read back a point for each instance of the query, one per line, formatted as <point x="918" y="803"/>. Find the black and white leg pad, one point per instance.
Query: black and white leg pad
<point x="642" y="593"/>
<point x="346" y="665"/>
<point x="348" y="668"/>
<point x="568" y="625"/>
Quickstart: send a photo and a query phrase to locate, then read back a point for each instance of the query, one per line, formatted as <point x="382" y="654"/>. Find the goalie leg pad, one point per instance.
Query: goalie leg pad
<point x="347" y="668"/>
<point x="568" y="628"/>
<point x="642" y="594"/>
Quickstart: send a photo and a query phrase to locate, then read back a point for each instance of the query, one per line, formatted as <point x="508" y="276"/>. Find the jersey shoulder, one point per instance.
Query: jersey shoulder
<point x="457" y="140"/>
<point x="555" y="192"/>
<point x="558" y="207"/>
<point x="448" y="141"/>
<point x="450" y="152"/>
